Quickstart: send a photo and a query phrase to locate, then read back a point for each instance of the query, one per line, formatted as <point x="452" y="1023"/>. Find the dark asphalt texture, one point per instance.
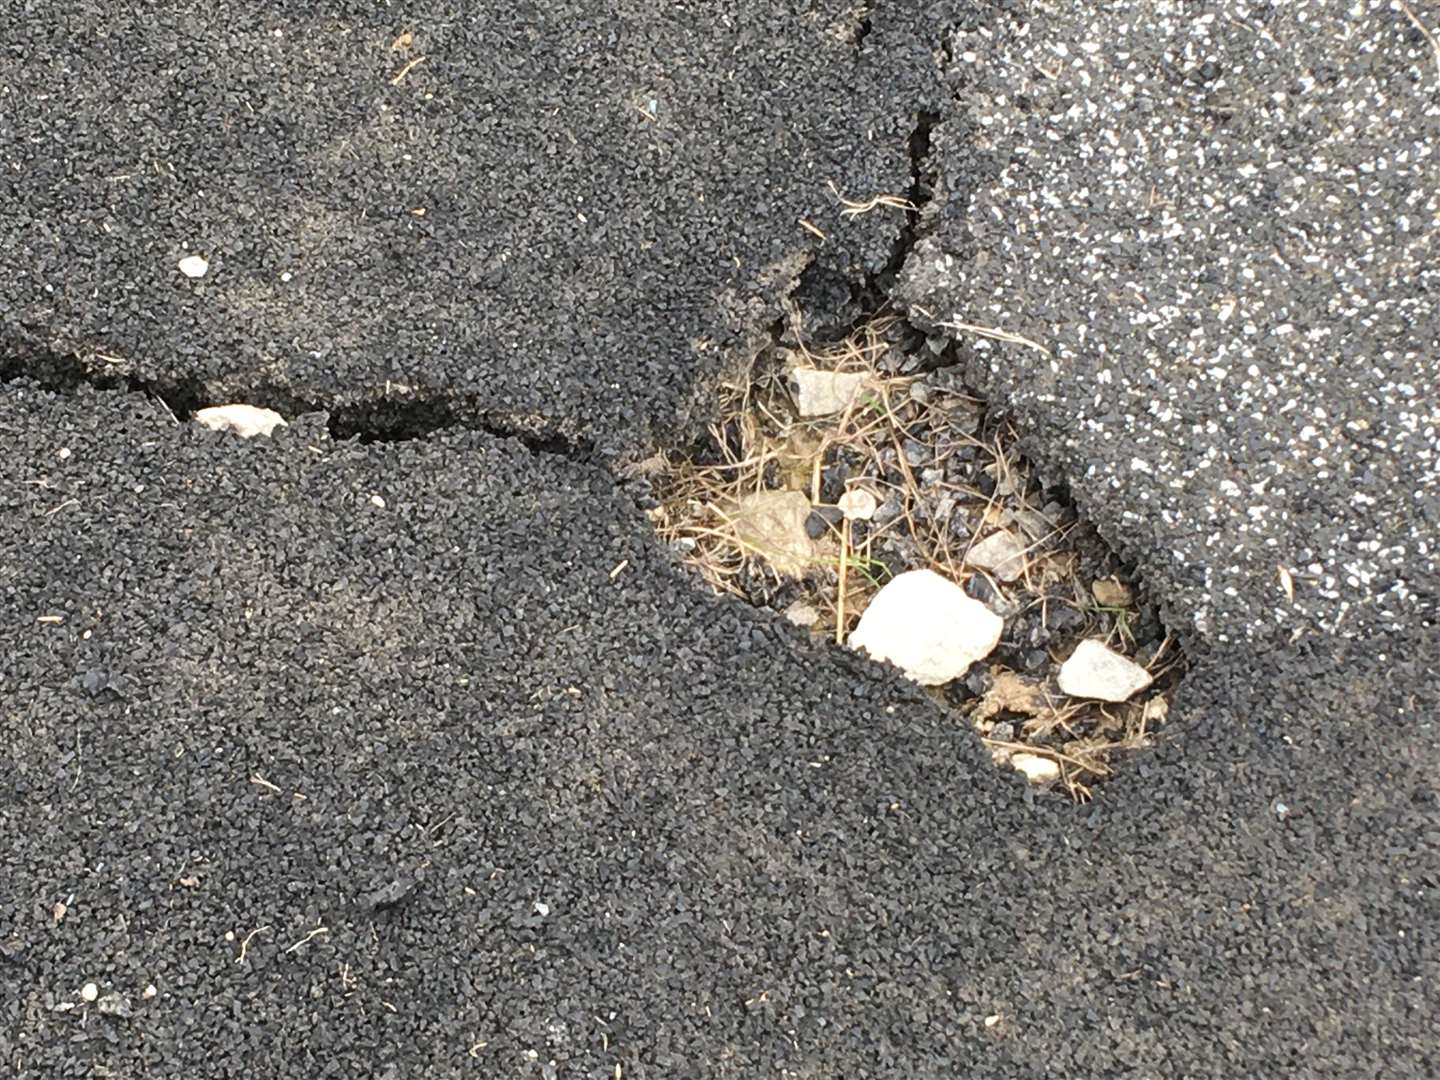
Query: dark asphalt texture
<point x="554" y="210"/>
<point x="419" y="757"/>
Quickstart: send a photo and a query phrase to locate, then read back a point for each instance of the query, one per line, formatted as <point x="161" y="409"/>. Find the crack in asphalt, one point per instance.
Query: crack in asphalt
<point x="374" y="419"/>
<point x="384" y="418"/>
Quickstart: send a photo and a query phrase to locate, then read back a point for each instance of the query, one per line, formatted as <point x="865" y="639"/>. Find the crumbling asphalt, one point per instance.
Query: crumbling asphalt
<point x="413" y="754"/>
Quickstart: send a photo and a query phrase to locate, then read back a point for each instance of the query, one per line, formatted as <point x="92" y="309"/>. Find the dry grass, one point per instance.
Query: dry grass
<point x="765" y="444"/>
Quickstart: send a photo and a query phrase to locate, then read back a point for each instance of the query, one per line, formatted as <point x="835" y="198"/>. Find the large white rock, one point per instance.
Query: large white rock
<point x="1094" y="671"/>
<point x="246" y="421"/>
<point x="928" y="627"/>
<point x="822" y="393"/>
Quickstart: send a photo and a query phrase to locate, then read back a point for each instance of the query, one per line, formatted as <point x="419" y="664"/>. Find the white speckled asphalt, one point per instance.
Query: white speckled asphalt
<point x="1221" y="221"/>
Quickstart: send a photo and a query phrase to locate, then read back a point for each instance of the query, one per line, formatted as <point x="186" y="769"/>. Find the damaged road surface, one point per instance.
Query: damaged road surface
<point x="394" y="742"/>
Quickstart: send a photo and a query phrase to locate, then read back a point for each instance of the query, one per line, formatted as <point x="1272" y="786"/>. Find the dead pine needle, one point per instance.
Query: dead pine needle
<point x="308" y="937"/>
<point x="892" y="202"/>
<point x="996" y="335"/>
<point x="406" y="70"/>
<point x="811" y="227"/>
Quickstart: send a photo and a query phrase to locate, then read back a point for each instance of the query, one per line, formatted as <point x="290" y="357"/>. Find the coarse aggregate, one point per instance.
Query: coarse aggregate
<point x="537" y="212"/>
<point x="436" y="786"/>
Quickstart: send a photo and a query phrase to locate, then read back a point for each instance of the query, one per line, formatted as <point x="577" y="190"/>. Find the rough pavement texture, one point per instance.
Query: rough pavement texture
<point x="554" y="210"/>
<point x="537" y="808"/>
<point x="419" y="757"/>
<point x="1220" y="221"/>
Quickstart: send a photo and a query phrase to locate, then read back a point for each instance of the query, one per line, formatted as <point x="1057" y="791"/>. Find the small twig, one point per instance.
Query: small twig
<point x="406" y="70"/>
<point x="78" y="763"/>
<point x="260" y="781"/>
<point x="840" y="587"/>
<point x="996" y="335"/>
<point x="1027" y="748"/>
<point x="166" y="406"/>
<point x="245" y="945"/>
<point x="313" y="933"/>
<point x="852" y="208"/>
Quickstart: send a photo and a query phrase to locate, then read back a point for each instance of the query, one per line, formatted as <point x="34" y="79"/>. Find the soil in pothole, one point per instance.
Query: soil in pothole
<point x="830" y="472"/>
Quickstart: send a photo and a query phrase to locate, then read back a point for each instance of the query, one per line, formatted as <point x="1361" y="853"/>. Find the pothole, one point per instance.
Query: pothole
<point x="860" y="486"/>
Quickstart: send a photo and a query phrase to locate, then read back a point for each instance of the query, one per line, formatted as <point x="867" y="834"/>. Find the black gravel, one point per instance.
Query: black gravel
<point x="420" y="758"/>
<point x="541" y="804"/>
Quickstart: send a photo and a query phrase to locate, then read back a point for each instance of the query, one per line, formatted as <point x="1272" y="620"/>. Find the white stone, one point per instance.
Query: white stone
<point x="194" y="266"/>
<point x="1037" y="769"/>
<point x="822" y="393"/>
<point x="802" y="614"/>
<point x="858" y="504"/>
<point x="1001" y="554"/>
<point x="246" y="421"/>
<point x="1094" y="671"/>
<point x="925" y="625"/>
<point x="89" y="992"/>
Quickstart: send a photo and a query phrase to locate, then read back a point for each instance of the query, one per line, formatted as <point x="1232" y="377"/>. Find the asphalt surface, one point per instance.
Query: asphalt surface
<point x="416" y="756"/>
<point x="548" y="215"/>
<point x="1219" y="224"/>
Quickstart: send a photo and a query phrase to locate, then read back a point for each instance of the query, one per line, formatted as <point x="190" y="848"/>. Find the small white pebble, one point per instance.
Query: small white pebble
<point x="858" y="504"/>
<point x="1037" y="769"/>
<point x="194" y="266"/>
<point x="245" y="420"/>
<point x="63" y="453"/>
<point x="89" y="992"/>
<point x="149" y="992"/>
<point x="376" y="500"/>
<point x="541" y="908"/>
<point x="285" y="276"/>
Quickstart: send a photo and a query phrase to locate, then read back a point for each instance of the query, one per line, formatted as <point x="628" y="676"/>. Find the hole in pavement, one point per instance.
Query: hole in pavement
<point x="862" y="491"/>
